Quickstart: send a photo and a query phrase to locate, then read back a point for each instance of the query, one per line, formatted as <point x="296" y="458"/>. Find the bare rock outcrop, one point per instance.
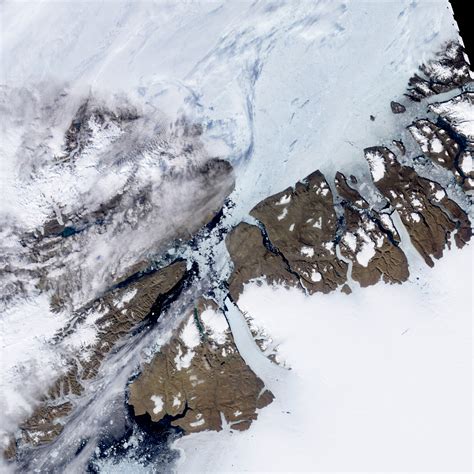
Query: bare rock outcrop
<point x="301" y="224"/>
<point x="113" y="316"/>
<point x="401" y="146"/>
<point x="149" y="162"/>
<point x="465" y="161"/>
<point x="458" y="112"/>
<point x="435" y="143"/>
<point x="370" y="240"/>
<point x="200" y="377"/>
<point x="445" y="72"/>
<point x="89" y="118"/>
<point x="458" y="117"/>
<point x="252" y="260"/>
<point x="444" y="150"/>
<point x="424" y="208"/>
<point x="397" y="108"/>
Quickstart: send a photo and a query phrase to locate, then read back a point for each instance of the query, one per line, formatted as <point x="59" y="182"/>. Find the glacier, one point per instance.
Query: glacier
<point x="278" y="89"/>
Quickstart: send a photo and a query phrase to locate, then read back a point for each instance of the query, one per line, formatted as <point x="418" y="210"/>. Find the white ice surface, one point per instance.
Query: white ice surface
<point x="436" y="145"/>
<point x="367" y="250"/>
<point x="27" y="360"/>
<point x="316" y="276"/>
<point x="465" y="162"/>
<point x="158" y="401"/>
<point x="380" y="379"/>
<point x="307" y="251"/>
<point x="190" y="334"/>
<point x="460" y="113"/>
<point x="191" y="338"/>
<point x="216" y="324"/>
<point x="377" y="165"/>
<point x="282" y="88"/>
<point x="263" y="77"/>
<point x="350" y="240"/>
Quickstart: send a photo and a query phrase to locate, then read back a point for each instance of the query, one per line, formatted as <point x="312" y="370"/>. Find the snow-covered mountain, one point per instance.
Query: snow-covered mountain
<point x="218" y="219"/>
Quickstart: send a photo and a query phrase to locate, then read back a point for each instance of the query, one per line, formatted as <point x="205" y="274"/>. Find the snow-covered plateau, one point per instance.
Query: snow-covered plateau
<point x="235" y="236"/>
<point x="380" y="380"/>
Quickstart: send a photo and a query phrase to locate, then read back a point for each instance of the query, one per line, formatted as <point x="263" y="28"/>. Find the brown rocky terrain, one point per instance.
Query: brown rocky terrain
<point x="401" y="146"/>
<point x="442" y="149"/>
<point x="435" y="143"/>
<point x="300" y="227"/>
<point x="369" y="240"/>
<point x="53" y="252"/>
<point x="199" y="378"/>
<point x="465" y="160"/>
<point x="301" y="224"/>
<point x="62" y="236"/>
<point x="446" y="72"/>
<point x="252" y="259"/>
<point x="424" y="208"/>
<point x="397" y="108"/>
<point x="131" y="292"/>
<point x="265" y="341"/>
<point x="114" y="316"/>
<point x="78" y="135"/>
<point x="457" y="115"/>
